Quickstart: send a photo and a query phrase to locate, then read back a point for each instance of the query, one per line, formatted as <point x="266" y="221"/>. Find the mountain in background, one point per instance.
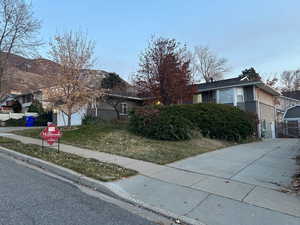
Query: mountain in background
<point x="39" y="66"/>
<point x="26" y="75"/>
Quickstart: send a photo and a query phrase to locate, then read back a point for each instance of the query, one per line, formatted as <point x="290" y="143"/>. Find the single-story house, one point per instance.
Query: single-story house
<point x="112" y="106"/>
<point x="250" y="95"/>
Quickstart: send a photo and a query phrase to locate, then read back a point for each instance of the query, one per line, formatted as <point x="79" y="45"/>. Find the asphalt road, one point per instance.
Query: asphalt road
<point x="30" y="197"/>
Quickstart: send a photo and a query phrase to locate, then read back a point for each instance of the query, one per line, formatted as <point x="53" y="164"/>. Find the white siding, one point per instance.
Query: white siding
<point x="76" y="118"/>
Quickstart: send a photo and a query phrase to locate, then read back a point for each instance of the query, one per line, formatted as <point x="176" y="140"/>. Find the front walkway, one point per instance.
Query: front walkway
<point x="239" y="185"/>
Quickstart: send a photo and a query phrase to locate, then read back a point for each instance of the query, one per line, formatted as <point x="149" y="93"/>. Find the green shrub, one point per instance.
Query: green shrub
<point x="15" y="122"/>
<point x="17" y="107"/>
<point x="177" y="122"/>
<point x="153" y="122"/>
<point x="43" y="119"/>
<point x="36" y="107"/>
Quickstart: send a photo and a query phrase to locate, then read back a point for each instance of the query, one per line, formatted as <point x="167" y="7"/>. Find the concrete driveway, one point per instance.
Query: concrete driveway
<point x="268" y="164"/>
<point x="239" y="185"/>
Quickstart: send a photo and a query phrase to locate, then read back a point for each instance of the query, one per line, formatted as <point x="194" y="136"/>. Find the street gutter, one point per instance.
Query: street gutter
<point x="107" y="188"/>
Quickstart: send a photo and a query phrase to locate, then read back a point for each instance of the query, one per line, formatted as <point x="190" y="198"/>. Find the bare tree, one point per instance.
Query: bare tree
<point x="18" y="32"/>
<point x="115" y="88"/>
<point x="297" y="80"/>
<point x="75" y="86"/>
<point x="287" y="79"/>
<point x="115" y="102"/>
<point x="290" y="80"/>
<point x="207" y="65"/>
<point x="272" y="81"/>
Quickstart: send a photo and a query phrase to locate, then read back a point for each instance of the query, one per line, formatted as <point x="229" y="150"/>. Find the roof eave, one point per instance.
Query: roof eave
<point x="230" y="86"/>
<point x="294" y="99"/>
<point x="126" y="97"/>
<point x="268" y="89"/>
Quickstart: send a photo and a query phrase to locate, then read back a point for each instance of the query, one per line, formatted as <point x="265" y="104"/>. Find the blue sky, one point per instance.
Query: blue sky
<point x="263" y="34"/>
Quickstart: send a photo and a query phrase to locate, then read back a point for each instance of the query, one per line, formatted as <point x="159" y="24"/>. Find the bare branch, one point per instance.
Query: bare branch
<point x="75" y="86"/>
<point x="18" y="31"/>
<point x="207" y="65"/>
<point x="290" y="80"/>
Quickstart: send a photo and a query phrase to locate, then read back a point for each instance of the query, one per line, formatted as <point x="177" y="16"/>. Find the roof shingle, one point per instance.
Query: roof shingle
<point x="292" y="94"/>
<point x="224" y="83"/>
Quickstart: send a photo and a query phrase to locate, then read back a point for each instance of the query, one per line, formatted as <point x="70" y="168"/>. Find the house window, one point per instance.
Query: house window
<point x="226" y="96"/>
<point x="209" y="96"/>
<point x="124" y="110"/>
<point x="27" y="98"/>
<point x="240" y="94"/>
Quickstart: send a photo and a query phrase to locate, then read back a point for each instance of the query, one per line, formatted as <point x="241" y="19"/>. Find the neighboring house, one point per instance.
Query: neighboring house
<point x="250" y="95"/>
<point x="6" y="103"/>
<point x="105" y="108"/>
<point x="28" y="75"/>
<point x="290" y="127"/>
<point x="283" y="103"/>
<point x="290" y="123"/>
<point x="112" y="104"/>
<point x="292" y="112"/>
<point x="25" y="99"/>
<point x="292" y="94"/>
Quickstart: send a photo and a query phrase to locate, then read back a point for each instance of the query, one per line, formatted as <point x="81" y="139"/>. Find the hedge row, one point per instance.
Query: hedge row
<point x="179" y="122"/>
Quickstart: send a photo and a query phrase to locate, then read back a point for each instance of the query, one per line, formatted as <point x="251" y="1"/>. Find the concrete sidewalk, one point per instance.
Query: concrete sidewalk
<point x="142" y="167"/>
<point x="239" y="185"/>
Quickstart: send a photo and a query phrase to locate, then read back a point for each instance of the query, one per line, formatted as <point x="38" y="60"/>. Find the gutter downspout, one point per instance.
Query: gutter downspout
<point x="258" y="111"/>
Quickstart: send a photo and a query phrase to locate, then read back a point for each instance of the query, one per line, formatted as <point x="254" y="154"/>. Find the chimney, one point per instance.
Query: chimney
<point x="211" y="79"/>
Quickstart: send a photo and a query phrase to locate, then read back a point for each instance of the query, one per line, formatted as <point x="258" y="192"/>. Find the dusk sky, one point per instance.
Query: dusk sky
<point x="264" y="34"/>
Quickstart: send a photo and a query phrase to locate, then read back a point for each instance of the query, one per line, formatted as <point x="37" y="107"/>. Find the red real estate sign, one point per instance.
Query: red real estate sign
<point x="51" y="134"/>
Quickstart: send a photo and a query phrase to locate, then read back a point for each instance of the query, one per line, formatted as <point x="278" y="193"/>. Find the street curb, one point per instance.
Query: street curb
<point x="109" y="189"/>
<point x="60" y="171"/>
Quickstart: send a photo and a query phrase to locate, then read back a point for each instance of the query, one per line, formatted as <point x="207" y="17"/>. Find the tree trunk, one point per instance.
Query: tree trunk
<point x="69" y="120"/>
<point x="117" y="112"/>
<point x="1" y="78"/>
<point x="118" y="115"/>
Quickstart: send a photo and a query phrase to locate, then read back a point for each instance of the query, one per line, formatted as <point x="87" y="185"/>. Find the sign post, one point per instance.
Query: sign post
<point x="51" y="134"/>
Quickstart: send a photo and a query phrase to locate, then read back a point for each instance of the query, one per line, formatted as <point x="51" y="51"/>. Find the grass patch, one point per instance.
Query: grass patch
<point x="89" y="167"/>
<point x="114" y="138"/>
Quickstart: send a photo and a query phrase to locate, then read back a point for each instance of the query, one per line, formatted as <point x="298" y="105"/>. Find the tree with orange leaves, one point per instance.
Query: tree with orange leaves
<point x="164" y="75"/>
